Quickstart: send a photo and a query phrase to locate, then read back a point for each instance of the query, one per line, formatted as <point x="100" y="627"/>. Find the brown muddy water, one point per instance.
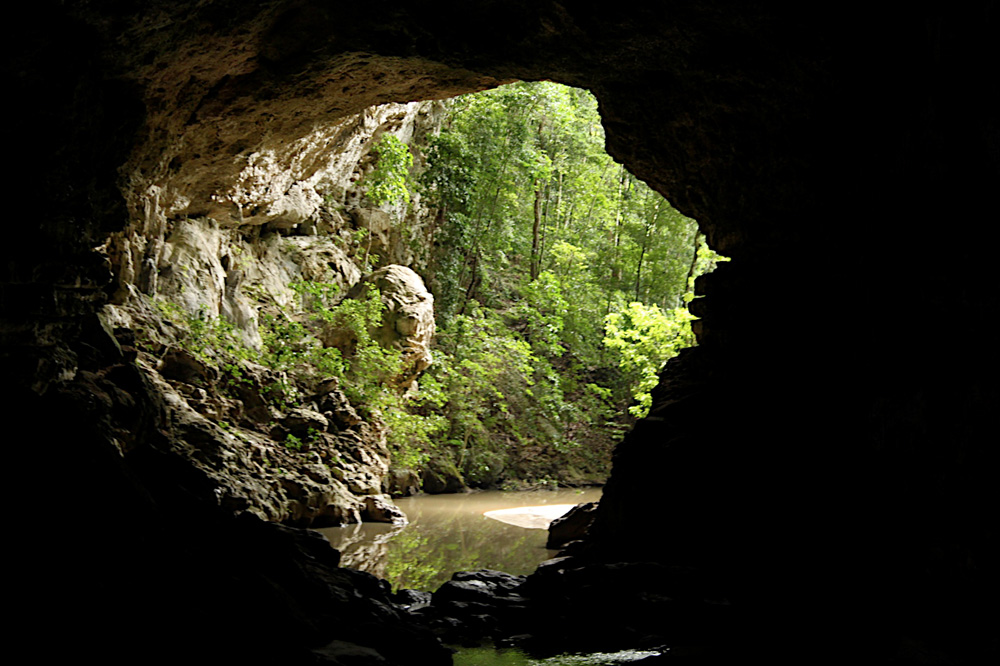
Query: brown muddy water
<point x="449" y="533"/>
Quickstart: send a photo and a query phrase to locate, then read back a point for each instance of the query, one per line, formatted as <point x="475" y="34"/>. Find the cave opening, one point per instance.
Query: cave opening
<point x="842" y="490"/>
<point x="549" y="334"/>
<point x="292" y="325"/>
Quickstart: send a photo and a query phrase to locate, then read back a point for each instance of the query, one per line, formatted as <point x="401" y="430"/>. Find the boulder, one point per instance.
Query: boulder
<point x="476" y="604"/>
<point x="402" y="482"/>
<point x="183" y="366"/>
<point x="408" y="320"/>
<point x="338" y="409"/>
<point x="572" y="526"/>
<point x="378" y="509"/>
<point x="441" y="477"/>
<point x="299" y="421"/>
<point x="481" y="585"/>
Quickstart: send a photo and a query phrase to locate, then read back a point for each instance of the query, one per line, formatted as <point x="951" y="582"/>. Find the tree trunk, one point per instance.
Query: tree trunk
<point x="536" y="232"/>
<point x="694" y="262"/>
<point x="638" y="269"/>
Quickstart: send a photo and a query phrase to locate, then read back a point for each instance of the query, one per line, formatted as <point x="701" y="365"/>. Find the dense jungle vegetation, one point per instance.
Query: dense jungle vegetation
<point x="560" y="284"/>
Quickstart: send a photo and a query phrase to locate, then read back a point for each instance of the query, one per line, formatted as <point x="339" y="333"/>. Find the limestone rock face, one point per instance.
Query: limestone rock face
<point x="408" y="320"/>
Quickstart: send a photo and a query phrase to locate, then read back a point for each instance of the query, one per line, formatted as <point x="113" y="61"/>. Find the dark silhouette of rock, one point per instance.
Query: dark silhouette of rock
<point x="572" y="526"/>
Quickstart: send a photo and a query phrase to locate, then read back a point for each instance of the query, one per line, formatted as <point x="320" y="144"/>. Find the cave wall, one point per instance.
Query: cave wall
<point x="827" y="449"/>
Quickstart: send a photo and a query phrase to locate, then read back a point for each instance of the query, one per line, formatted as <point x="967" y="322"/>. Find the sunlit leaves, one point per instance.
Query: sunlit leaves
<point x="387" y="182"/>
<point x="645" y="337"/>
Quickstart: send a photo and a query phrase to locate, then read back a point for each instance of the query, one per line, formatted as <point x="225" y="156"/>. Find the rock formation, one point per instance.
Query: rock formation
<point x="298" y="214"/>
<point x="408" y="320"/>
<point x="824" y="457"/>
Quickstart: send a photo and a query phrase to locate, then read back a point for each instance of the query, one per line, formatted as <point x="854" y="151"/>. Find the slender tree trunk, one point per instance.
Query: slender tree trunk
<point x="638" y="269"/>
<point x="536" y="233"/>
<point x="616" y="268"/>
<point x="473" y="283"/>
<point x="694" y="262"/>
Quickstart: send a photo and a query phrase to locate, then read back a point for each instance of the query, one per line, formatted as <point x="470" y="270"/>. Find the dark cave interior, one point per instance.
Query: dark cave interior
<point x="846" y="157"/>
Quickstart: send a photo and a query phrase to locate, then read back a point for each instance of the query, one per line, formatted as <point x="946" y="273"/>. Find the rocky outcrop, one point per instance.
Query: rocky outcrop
<point x="408" y="319"/>
<point x="473" y="606"/>
<point x="328" y="477"/>
<point x="571" y="526"/>
<point x="292" y="214"/>
<point x="247" y="446"/>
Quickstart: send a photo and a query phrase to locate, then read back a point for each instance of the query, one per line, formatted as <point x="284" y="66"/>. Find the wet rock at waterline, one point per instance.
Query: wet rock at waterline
<point x="402" y="482"/>
<point x="441" y="476"/>
<point x="564" y="606"/>
<point x="380" y="509"/>
<point x="571" y="526"/>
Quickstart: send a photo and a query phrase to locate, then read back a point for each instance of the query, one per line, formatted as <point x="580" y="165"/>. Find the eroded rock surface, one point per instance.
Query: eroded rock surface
<point x="408" y="320"/>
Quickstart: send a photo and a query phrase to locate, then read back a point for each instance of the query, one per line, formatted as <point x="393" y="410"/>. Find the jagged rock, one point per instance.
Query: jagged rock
<point x="299" y="421"/>
<point x="183" y="366"/>
<point x="380" y="510"/>
<point x="480" y="586"/>
<point x="361" y="481"/>
<point x="571" y="526"/>
<point x="244" y="471"/>
<point x="476" y="604"/>
<point x="338" y="409"/>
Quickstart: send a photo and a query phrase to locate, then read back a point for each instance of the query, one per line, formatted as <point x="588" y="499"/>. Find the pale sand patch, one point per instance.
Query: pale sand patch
<point x="533" y="517"/>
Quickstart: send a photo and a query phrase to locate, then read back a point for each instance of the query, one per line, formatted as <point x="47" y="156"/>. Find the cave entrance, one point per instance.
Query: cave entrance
<point x="560" y="283"/>
<point x="293" y="325"/>
<point x="560" y="287"/>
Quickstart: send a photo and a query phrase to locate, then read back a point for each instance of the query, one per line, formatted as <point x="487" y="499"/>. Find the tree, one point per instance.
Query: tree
<point x="387" y="181"/>
<point x="645" y="337"/>
<point x="559" y="278"/>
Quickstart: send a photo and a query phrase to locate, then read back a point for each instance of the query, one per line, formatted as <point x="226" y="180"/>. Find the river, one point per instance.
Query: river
<point x="449" y="533"/>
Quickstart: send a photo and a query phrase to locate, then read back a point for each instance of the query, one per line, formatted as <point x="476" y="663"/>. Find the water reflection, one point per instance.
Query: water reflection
<point x="449" y="533"/>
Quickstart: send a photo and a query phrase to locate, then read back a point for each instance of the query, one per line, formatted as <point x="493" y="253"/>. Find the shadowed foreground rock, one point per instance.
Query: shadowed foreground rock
<point x="572" y="526"/>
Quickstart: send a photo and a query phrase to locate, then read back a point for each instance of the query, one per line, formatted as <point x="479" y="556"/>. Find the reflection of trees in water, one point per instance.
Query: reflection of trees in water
<point x="416" y="564"/>
<point x="360" y="549"/>
<point x="424" y="558"/>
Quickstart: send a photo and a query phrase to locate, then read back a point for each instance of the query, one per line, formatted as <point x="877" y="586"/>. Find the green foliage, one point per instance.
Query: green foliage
<point x="294" y="443"/>
<point x="559" y="279"/>
<point x="213" y="340"/>
<point x="387" y="182"/>
<point x="645" y="337"/>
